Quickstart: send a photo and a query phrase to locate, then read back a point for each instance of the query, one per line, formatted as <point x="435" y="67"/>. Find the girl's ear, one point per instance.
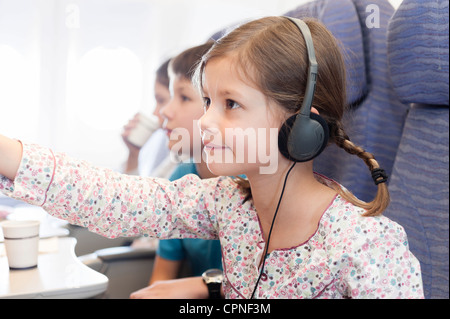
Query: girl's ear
<point x="314" y="110"/>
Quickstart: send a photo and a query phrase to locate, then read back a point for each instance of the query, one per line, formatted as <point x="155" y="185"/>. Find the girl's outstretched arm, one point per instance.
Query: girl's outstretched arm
<point x="105" y="201"/>
<point x="10" y="156"/>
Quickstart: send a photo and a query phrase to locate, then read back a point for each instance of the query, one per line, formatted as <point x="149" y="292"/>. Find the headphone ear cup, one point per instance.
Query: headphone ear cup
<point x="323" y="140"/>
<point x="301" y="139"/>
<point x="283" y="136"/>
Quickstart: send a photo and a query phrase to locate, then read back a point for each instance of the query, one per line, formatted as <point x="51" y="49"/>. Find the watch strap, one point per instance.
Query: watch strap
<point x="214" y="290"/>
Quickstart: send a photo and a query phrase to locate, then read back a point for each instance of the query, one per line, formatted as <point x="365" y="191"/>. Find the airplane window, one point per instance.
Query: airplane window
<point x="104" y="87"/>
<point x="19" y="93"/>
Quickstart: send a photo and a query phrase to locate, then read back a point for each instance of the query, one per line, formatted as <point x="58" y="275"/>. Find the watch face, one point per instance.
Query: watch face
<point x="213" y="276"/>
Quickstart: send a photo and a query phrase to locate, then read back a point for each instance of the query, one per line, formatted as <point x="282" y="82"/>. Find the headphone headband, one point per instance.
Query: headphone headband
<point x="304" y="135"/>
<point x="312" y="66"/>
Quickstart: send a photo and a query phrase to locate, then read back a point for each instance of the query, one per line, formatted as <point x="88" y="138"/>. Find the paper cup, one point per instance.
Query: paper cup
<point x="143" y="130"/>
<point x="21" y="239"/>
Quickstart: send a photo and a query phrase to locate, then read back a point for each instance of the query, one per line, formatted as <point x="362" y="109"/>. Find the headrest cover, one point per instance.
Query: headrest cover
<point x="341" y="18"/>
<point x="418" y="52"/>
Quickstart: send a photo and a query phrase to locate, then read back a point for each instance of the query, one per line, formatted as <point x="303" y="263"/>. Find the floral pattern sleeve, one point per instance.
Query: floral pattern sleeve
<point x="110" y="203"/>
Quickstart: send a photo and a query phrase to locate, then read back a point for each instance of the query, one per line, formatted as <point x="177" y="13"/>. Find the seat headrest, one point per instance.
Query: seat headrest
<point x="341" y="18"/>
<point x="418" y="52"/>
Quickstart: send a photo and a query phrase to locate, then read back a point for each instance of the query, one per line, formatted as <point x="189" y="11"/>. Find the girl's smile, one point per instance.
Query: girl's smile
<point x="211" y="146"/>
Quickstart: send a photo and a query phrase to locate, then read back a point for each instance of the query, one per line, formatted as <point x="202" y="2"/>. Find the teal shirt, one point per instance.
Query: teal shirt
<point x="201" y="254"/>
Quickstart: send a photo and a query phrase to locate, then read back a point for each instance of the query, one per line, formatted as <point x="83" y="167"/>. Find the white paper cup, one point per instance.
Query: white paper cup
<point x="143" y="130"/>
<point x="21" y="239"/>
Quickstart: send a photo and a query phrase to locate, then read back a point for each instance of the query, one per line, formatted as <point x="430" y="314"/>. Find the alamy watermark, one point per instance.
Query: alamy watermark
<point x="72" y="16"/>
<point x="373" y="17"/>
<point x="235" y="145"/>
<point x="72" y="20"/>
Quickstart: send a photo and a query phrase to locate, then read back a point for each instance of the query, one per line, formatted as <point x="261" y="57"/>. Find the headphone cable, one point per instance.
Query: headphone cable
<point x="270" y="231"/>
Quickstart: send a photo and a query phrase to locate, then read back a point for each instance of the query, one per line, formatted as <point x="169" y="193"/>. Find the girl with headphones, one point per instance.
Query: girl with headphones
<point x="288" y="234"/>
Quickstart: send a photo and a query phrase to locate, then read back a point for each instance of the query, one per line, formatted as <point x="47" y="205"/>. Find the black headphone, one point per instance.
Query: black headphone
<point x="303" y="136"/>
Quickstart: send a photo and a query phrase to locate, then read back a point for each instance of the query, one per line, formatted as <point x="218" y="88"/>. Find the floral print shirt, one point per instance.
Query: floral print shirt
<point x="349" y="256"/>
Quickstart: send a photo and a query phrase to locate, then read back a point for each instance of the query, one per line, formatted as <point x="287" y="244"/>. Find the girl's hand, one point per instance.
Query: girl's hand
<point x="133" y="151"/>
<point x="127" y="129"/>
<point x="10" y="156"/>
<point x="184" y="288"/>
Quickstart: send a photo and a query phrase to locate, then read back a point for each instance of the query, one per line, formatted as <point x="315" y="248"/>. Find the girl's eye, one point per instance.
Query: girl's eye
<point x="206" y="103"/>
<point x="232" y="104"/>
<point x="184" y="98"/>
<point x="161" y="100"/>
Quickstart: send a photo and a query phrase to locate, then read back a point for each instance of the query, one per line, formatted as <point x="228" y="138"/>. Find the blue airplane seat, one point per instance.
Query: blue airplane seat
<point x="418" y="59"/>
<point x="375" y="117"/>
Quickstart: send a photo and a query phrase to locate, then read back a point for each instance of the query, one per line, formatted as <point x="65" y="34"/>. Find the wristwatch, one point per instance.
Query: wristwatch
<point x="213" y="279"/>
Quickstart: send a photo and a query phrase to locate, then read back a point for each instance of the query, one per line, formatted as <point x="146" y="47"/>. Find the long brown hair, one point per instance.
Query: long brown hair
<point x="271" y="53"/>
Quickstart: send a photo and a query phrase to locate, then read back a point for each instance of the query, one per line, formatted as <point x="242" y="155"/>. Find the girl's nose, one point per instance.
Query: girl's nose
<point x="210" y="126"/>
<point x="205" y="122"/>
<point x="208" y="120"/>
<point x="167" y="110"/>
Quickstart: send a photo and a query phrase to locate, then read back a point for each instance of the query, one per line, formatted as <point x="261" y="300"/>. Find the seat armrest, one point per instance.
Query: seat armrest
<point x="92" y="261"/>
<point x="127" y="268"/>
<point x="124" y="252"/>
